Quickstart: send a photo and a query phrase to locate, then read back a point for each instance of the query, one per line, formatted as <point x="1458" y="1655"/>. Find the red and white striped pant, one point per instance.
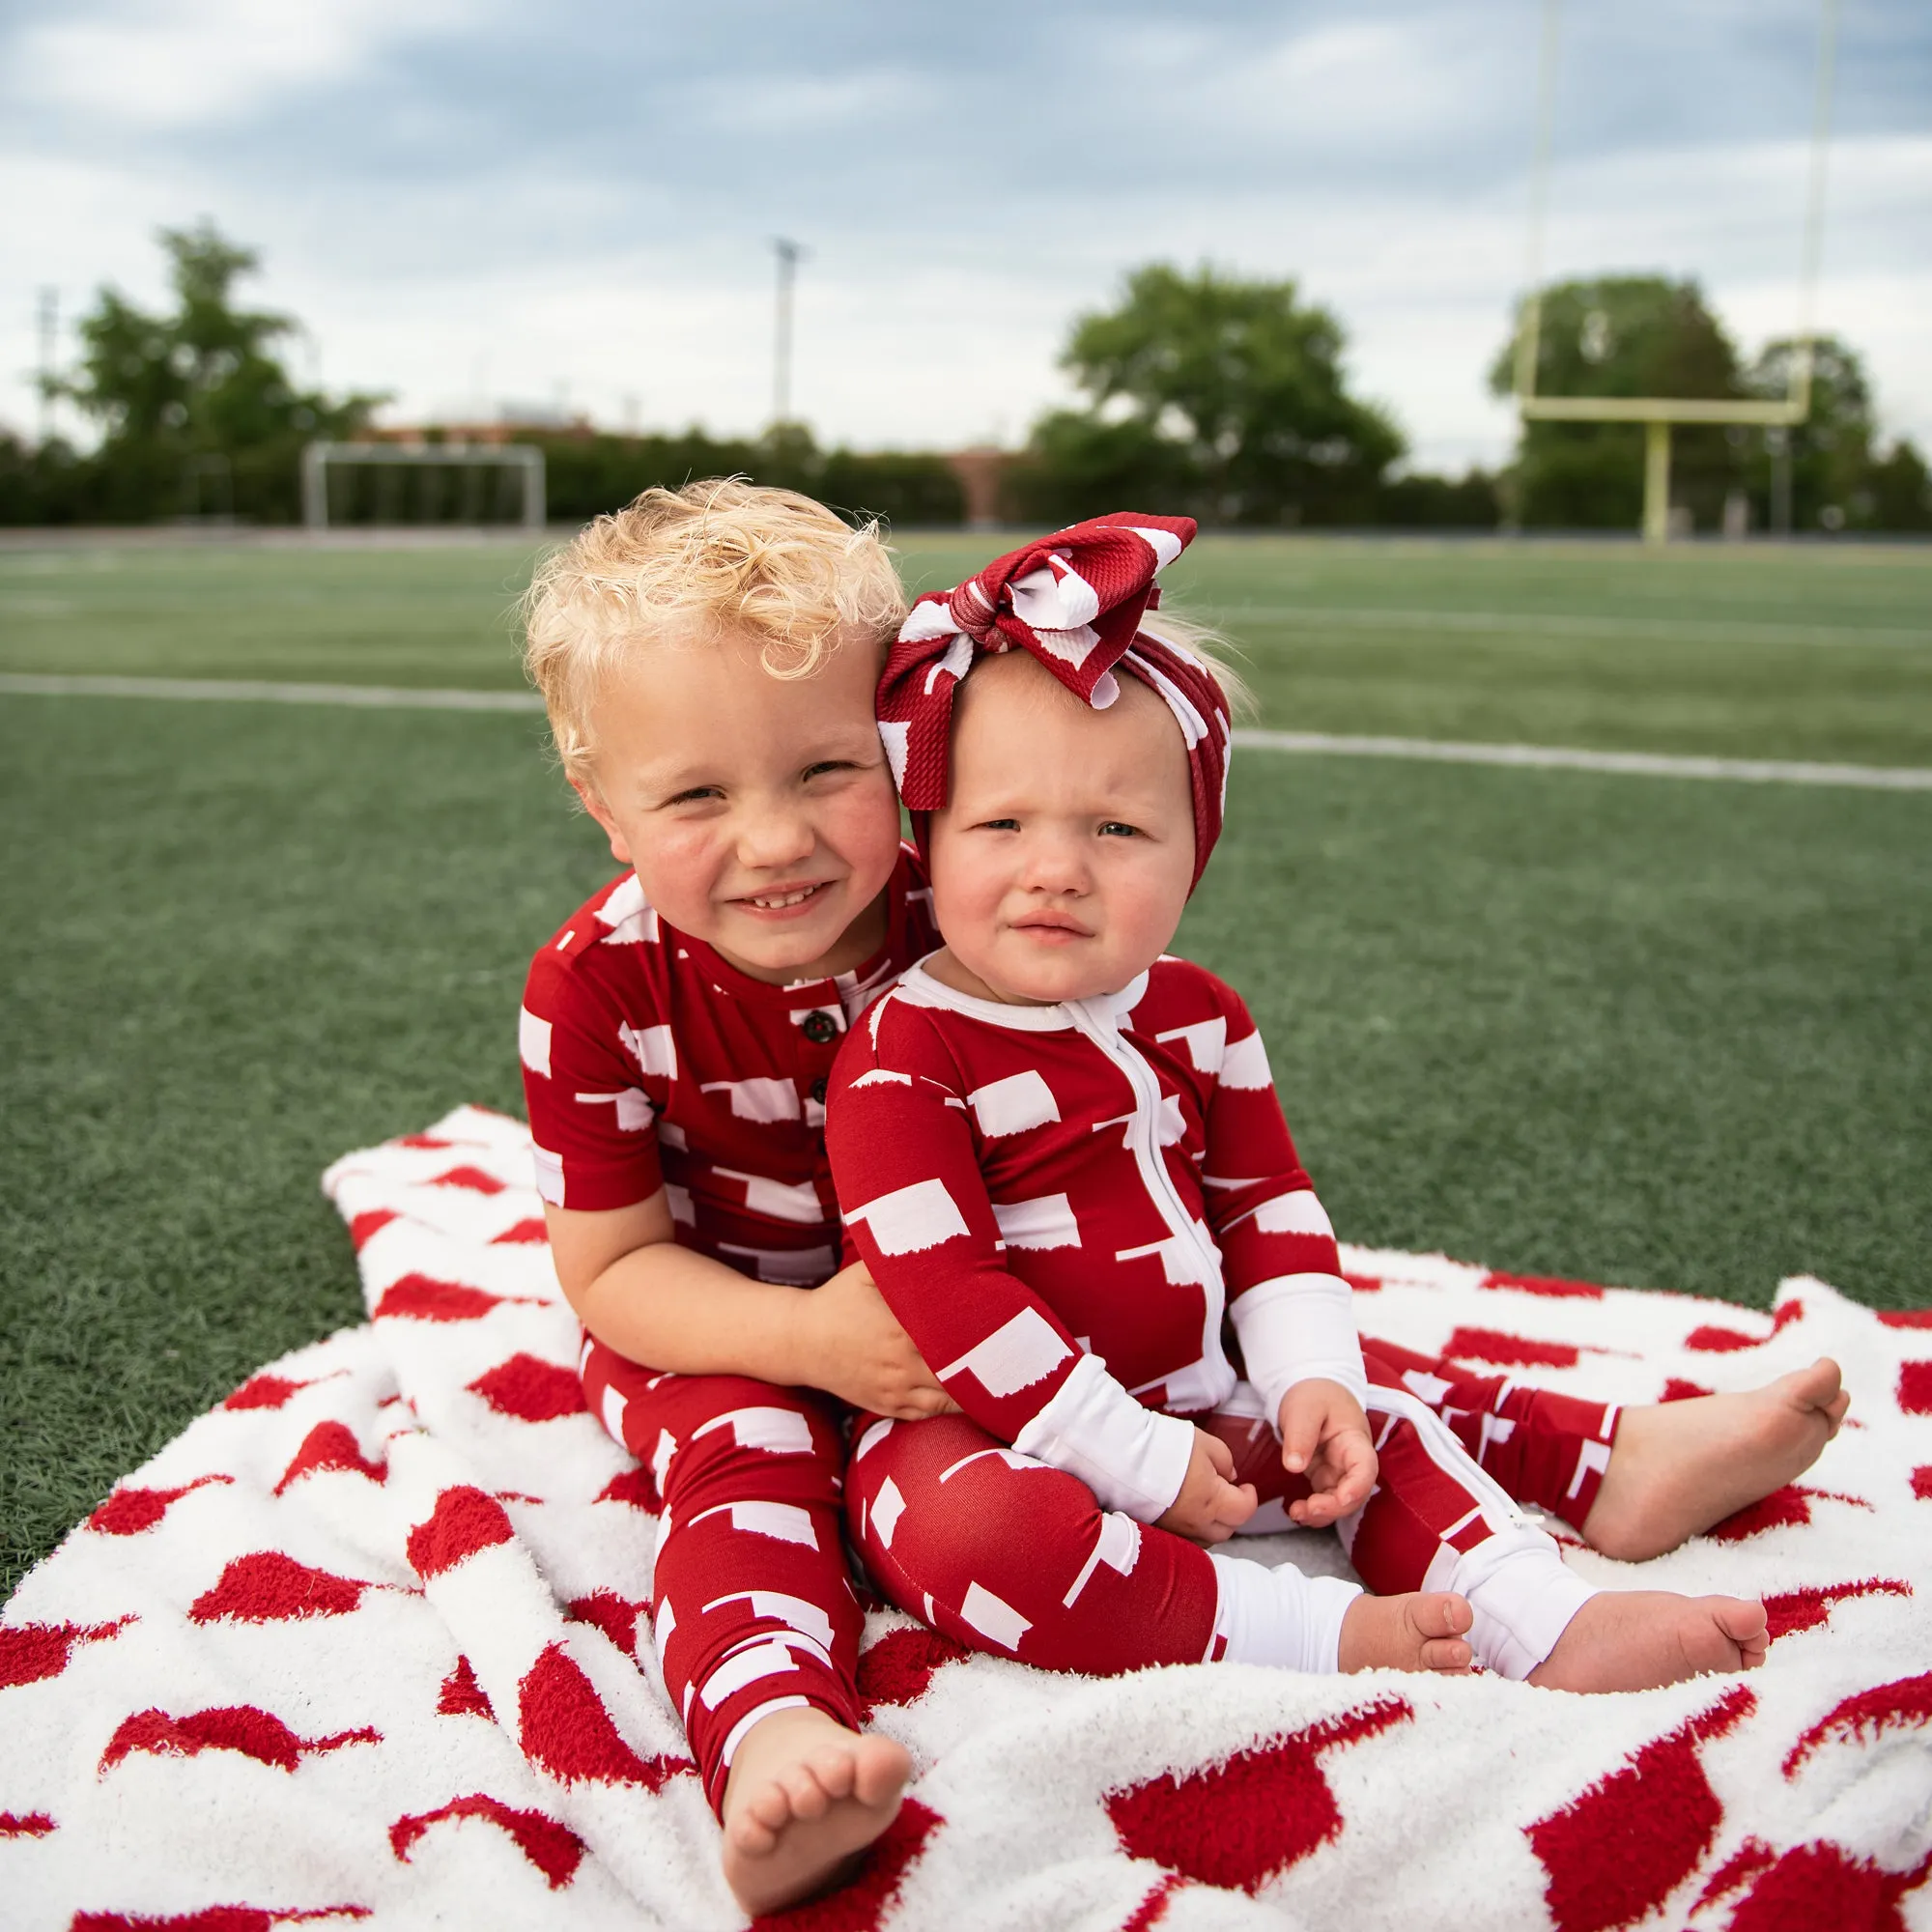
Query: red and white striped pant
<point x="1008" y="1556"/>
<point x="752" y="1598"/>
<point x="753" y="1603"/>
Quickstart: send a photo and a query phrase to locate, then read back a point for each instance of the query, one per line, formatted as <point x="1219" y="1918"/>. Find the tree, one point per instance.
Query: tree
<point x="197" y="411"/>
<point x="1822" y="468"/>
<point x="1221" y="396"/>
<point x="1901" y="490"/>
<point x="1620" y="335"/>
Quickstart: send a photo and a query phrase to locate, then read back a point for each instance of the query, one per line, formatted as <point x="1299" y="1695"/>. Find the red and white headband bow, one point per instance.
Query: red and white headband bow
<point x="1074" y="601"/>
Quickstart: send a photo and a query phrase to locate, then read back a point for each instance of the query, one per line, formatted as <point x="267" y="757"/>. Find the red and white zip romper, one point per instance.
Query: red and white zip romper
<point x="1061" y="1204"/>
<point x="649" y="1062"/>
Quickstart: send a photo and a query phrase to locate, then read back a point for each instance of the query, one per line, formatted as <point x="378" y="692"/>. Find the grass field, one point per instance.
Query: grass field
<point x="1797" y="654"/>
<point x="1643" y="1030"/>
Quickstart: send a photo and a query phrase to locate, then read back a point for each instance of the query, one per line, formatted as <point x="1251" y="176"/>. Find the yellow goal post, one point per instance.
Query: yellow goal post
<point x="1657" y="413"/>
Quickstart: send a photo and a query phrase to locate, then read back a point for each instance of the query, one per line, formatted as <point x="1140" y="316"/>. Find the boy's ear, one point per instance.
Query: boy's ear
<point x="593" y="803"/>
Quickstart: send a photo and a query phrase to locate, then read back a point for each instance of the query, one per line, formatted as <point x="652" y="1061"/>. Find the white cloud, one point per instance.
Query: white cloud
<point x="536" y="199"/>
<point x="172" y="64"/>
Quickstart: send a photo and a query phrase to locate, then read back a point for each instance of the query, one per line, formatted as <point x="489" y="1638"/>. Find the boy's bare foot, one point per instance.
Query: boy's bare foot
<point x="804" y="1797"/>
<point x="1637" y="1639"/>
<point x="1677" y="1468"/>
<point x="1422" y="1630"/>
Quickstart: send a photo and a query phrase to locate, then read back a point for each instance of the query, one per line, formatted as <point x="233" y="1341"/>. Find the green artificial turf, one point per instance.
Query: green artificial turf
<point x="1649" y="1030"/>
<point x="241" y="939"/>
<point x="1742" y="652"/>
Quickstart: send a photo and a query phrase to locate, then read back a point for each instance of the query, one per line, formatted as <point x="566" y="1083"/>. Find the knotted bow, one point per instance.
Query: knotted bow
<point x="1074" y="601"/>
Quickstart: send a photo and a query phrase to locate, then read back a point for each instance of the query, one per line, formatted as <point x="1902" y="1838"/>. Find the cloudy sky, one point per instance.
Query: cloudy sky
<point x="490" y="200"/>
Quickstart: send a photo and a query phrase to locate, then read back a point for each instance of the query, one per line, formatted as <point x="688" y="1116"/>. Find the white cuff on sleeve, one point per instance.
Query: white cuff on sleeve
<point x="1299" y="1328"/>
<point x="1133" y="1459"/>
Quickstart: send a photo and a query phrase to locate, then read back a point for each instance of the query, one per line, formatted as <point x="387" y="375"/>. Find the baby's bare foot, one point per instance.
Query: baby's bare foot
<point x="1680" y="1466"/>
<point x="804" y="1797"/>
<point x="1638" y="1639"/>
<point x="1422" y="1630"/>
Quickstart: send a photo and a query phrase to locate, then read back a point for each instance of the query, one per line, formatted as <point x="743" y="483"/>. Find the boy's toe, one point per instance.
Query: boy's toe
<point x="1741" y="1620"/>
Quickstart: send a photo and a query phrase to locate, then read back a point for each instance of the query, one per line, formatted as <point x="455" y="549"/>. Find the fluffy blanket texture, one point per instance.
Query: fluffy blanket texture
<point x="366" y="1644"/>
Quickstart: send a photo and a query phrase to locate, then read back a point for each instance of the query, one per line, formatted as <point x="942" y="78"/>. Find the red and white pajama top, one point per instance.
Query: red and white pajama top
<point x="1061" y="1203"/>
<point x="650" y="1061"/>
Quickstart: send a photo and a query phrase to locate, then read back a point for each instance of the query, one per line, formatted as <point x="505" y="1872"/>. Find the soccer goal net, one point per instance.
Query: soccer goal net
<point x="422" y="483"/>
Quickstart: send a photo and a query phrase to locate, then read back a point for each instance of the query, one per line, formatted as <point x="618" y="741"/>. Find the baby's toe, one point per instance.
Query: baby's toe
<point x="836" y="1771"/>
<point x="807" y="1797"/>
<point x="1442" y="1614"/>
<point x="753" y="1832"/>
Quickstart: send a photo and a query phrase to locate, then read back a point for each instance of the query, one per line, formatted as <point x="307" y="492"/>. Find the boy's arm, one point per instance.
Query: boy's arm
<point x="1290" y="1305"/>
<point x="914" y="1197"/>
<point x="594" y="1084"/>
<point x="654" y="1302"/>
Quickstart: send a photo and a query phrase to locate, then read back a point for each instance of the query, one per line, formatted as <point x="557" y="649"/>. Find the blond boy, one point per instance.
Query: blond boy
<point x="707" y="657"/>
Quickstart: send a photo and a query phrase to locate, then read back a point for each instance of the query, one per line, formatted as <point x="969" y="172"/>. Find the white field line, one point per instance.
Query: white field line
<point x="1528" y="624"/>
<point x="1567" y="757"/>
<point x="371" y="696"/>
<point x="1556" y="757"/>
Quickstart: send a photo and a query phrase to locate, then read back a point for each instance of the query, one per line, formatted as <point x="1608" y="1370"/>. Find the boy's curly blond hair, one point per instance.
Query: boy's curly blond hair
<point x="723" y="554"/>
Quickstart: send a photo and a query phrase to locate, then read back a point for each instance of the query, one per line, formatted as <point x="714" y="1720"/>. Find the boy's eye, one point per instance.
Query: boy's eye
<point x="696" y="795"/>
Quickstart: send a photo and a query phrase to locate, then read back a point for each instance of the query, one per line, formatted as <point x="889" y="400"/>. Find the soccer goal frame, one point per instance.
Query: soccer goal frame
<point x="318" y="458"/>
<point x="1657" y="413"/>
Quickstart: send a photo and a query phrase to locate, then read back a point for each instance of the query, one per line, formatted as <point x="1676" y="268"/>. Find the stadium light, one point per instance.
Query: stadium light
<point x="1657" y="413"/>
<point x="789" y="255"/>
<point x="49" y="333"/>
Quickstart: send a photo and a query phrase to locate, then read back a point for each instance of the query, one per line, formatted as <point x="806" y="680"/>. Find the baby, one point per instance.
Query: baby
<point x="1061" y="1155"/>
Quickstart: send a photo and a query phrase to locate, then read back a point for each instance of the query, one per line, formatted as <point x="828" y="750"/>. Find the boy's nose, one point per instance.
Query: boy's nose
<point x="769" y="839"/>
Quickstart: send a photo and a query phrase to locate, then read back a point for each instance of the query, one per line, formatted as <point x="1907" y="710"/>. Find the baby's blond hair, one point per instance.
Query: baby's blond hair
<point x="1204" y="641"/>
<point x="723" y="554"/>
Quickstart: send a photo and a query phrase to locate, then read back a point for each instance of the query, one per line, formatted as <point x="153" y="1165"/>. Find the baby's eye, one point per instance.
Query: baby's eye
<point x="999" y="825"/>
<point x="1113" y="828"/>
<point x="828" y="765"/>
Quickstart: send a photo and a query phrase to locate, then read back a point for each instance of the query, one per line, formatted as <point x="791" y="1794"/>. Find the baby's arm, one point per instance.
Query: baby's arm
<point x="914" y="1197"/>
<point x="1290" y="1304"/>
<point x="653" y="1301"/>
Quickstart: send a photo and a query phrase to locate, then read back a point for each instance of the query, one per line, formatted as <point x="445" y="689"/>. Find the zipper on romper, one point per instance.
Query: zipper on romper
<point x="1105" y="1033"/>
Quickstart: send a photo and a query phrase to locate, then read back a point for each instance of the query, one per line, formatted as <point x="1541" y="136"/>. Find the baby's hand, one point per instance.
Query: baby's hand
<point x="855" y="1349"/>
<point x="1324" y="1435"/>
<point x="1211" y="1507"/>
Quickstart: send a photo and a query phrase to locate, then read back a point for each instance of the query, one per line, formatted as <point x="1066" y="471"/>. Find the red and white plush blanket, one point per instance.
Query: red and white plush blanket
<point x="364" y="1645"/>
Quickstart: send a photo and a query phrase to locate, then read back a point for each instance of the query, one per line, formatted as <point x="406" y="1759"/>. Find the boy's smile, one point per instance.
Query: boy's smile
<point x="758" y="810"/>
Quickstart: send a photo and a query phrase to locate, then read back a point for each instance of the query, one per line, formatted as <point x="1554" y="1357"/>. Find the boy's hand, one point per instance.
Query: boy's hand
<point x="1324" y="1435"/>
<point x="856" y="1349"/>
<point x="1210" y="1506"/>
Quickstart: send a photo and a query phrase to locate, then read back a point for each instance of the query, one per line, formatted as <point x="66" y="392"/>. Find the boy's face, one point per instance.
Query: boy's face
<point x="1064" y="859"/>
<point x="759" y="812"/>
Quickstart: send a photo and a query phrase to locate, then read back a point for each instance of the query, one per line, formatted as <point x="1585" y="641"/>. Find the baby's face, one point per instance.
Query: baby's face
<point x="1064" y="860"/>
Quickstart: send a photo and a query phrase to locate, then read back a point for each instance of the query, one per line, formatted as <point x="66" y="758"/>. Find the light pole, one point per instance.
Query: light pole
<point x="789" y="254"/>
<point x="49" y="354"/>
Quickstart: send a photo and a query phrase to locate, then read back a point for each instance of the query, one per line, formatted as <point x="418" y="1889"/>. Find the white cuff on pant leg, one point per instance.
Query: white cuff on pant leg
<point x="1278" y="1616"/>
<point x="1522" y="1595"/>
